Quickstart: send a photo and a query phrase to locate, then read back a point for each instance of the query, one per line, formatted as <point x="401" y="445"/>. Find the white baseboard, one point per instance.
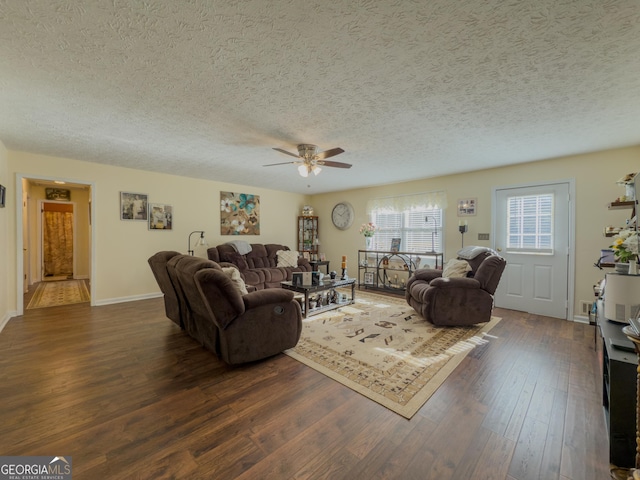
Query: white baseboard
<point x="581" y="319"/>
<point x="133" y="298"/>
<point x="8" y="316"/>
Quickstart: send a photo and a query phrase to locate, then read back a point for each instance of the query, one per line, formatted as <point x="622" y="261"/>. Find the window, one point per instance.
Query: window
<point x="530" y="223"/>
<point x="419" y="230"/>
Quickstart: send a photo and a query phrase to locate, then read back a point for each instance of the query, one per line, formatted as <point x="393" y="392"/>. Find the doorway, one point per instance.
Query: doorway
<point x="57" y="245"/>
<point x="31" y="190"/>
<point x="533" y="232"/>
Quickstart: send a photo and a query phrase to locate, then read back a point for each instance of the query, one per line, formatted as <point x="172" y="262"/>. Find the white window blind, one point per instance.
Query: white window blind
<point x="419" y="230"/>
<point x="530" y="223"/>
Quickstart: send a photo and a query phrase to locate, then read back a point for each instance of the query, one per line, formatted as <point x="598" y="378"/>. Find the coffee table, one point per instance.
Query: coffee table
<point x="323" y="286"/>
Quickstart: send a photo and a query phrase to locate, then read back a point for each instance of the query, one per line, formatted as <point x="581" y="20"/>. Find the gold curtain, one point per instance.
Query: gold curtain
<point x="58" y="243"/>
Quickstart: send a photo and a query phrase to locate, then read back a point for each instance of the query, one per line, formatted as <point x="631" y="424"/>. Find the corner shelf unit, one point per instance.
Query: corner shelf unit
<point x="308" y="235"/>
<point x="389" y="271"/>
<point x="618" y="206"/>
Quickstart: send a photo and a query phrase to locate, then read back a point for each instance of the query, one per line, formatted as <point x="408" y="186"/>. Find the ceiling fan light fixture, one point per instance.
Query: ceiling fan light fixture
<point x="309" y="160"/>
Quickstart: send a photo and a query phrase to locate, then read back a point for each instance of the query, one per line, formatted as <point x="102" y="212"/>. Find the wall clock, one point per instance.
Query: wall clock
<point x="342" y="215"/>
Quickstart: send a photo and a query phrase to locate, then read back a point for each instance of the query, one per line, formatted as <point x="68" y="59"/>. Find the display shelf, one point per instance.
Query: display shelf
<point x="308" y="236"/>
<point x="618" y="205"/>
<point x="389" y="271"/>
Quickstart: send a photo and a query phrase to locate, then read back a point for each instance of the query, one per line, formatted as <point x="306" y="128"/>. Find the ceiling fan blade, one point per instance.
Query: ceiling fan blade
<point x="329" y="153"/>
<point x="335" y="164"/>
<point x="282" y="163"/>
<point x="287" y="153"/>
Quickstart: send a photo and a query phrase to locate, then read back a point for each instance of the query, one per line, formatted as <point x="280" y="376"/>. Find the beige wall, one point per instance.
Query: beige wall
<point x="120" y="270"/>
<point x="4" y="239"/>
<point x="594" y="174"/>
<point x="122" y="247"/>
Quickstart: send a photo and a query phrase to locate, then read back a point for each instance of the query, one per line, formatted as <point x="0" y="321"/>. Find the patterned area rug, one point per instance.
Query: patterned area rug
<point x="380" y="347"/>
<point x="51" y="294"/>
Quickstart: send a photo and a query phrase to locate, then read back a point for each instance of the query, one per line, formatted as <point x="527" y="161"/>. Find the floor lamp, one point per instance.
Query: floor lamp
<point x="200" y="241"/>
<point x="433" y="232"/>
<point x="463" y="227"/>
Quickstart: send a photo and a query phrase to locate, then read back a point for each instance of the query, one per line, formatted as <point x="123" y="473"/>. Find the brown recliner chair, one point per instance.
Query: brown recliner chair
<point x="158" y="264"/>
<point x="457" y="301"/>
<point x="250" y="327"/>
<point x="182" y="270"/>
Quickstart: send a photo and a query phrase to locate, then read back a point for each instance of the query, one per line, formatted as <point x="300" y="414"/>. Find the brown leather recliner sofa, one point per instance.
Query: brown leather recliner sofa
<point x="464" y="300"/>
<point x="259" y="268"/>
<point x="237" y="328"/>
<point x="252" y="326"/>
<point x="158" y="264"/>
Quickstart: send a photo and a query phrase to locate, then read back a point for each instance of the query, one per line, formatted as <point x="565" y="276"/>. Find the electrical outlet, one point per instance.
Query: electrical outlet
<point x="483" y="236"/>
<point x="585" y="307"/>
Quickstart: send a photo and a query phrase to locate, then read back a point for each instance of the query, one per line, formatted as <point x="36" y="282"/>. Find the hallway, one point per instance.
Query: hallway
<point x="53" y="293"/>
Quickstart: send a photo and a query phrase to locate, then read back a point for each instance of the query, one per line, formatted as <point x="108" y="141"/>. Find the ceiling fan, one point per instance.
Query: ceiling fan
<point x="309" y="160"/>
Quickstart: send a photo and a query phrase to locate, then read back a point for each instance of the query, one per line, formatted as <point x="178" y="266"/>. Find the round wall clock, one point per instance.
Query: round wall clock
<point x="342" y="215"/>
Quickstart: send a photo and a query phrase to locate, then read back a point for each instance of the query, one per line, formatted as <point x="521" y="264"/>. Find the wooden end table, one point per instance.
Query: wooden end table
<point x="316" y="264"/>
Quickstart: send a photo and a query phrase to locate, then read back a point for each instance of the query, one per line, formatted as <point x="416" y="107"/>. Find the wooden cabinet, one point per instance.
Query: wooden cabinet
<point x="308" y="236"/>
<point x="619" y="363"/>
<point x="389" y="271"/>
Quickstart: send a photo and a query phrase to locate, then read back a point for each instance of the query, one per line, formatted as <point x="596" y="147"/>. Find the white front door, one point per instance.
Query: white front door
<point x="532" y="234"/>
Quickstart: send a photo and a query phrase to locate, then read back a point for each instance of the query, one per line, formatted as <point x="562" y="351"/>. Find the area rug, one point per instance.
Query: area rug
<point x="381" y="348"/>
<point x="52" y="294"/>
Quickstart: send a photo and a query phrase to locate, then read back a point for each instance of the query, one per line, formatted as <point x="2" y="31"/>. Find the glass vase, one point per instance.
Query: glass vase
<point x="368" y="243"/>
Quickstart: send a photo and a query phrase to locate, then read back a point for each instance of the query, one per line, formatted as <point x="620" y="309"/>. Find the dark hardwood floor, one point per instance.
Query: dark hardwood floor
<point x="126" y="394"/>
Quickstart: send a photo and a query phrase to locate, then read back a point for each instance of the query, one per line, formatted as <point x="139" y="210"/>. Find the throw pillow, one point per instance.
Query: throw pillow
<point x="234" y="275"/>
<point x="287" y="258"/>
<point x="456" y="268"/>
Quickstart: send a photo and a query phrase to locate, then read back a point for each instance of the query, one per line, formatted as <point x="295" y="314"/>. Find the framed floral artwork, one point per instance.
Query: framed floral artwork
<point x="239" y="214"/>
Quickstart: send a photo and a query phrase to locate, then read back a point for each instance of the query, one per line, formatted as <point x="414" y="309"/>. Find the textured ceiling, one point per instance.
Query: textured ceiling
<point x="410" y="89"/>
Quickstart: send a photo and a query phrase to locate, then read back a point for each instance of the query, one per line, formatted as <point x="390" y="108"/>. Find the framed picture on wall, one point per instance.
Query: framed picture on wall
<point x="160" y="216"/>
<point x="467" y="207"/>
<point x="133" y="206"/>
<point x="57" y="194"/>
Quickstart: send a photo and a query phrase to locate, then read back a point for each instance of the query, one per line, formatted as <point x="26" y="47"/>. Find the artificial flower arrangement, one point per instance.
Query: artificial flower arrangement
<point x="368" y="229"/>
<point x="625" y="245"/>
